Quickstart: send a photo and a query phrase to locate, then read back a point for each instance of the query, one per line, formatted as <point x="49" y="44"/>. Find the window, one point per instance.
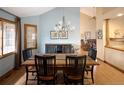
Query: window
<point x="7" y="37"/>
<point x="30" y="36"/>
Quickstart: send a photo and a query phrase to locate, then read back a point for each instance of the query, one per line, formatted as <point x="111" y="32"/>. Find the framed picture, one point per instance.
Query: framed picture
<point x="53" y="35"/>
<point x="63" y="34"/>
<point x="99" y="34"/>
<point x="87" y="35"/>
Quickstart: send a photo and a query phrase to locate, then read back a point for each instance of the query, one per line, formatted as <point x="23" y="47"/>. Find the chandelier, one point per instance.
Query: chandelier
<point x="63" y="26"/>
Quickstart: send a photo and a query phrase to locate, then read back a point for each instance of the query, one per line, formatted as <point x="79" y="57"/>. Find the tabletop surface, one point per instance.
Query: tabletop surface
<point x="31" y="62"/>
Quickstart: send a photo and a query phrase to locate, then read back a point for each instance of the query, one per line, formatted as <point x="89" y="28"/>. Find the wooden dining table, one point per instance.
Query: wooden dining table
<point x="31" y="61"/>
<point x="60" y="65"/>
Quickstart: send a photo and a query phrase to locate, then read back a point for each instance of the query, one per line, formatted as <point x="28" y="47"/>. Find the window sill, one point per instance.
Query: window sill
<point x="119" y="49"/>
<point x="32" y="48"/>
<point x="6" y="55"/>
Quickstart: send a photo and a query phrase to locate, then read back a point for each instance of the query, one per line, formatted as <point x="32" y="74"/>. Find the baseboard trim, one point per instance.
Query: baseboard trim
<point x="111" y="65"/>
<point x="100" y="59"/>
<point x="6" y="74"/>
<point x="9" y="73"/>
<point x="114" y="66"/>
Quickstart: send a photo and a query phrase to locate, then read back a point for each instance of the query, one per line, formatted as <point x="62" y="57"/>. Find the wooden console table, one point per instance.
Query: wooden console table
<point x="58" y="48"/>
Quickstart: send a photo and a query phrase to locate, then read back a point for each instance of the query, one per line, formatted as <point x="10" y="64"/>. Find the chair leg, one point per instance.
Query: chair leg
<point x="26" y="78"/>
<point x="65" y="79"/>
<point x="92" y="76"/>
<point x="35" y="78"/>
<point x="32" y="73"/>
<point x="26" y="75"/>
<point x="83" y="79"/>
<point x="54" y="82"/>
<point x="38" y="82"/>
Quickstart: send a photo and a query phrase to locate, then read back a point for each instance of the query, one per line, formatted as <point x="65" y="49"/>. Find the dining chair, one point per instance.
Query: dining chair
<point x="92" y="53"/>
<point x="27" y="53"/>
<point x="75" y="66"/>
<point x="45" y="67"/>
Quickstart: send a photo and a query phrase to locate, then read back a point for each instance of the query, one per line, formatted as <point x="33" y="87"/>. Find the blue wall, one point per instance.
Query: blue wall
<point x="34" y="20"/>
<point x="46" y="22"/>
<point x="7" y="63"/>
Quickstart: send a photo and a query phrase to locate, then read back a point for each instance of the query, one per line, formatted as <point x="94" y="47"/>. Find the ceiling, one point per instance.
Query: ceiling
<point x="90" y="11"/>
<point x="108" y="9"/>
<point x="33" y="11"/>
<point x="113" y="12"/>
<point x="27" y="11"/>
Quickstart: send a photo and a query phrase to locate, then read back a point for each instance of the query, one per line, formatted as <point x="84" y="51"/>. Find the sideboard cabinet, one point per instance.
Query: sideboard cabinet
<point x="58" y="48"/>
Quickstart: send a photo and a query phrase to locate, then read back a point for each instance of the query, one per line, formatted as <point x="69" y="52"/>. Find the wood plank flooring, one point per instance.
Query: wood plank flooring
<point x="12" y="78"/>
<point x="104" y="74"/>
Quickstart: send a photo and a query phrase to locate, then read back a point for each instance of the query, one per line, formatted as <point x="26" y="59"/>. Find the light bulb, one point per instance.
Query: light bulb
<point x="69" y="23"/>
<point x="65" y="29"/>
<point x="55" y="28"/>
<point x="73" y="28"/>
<point x="120" y="14"/>
<point x="59" y="26"/>
<point x="60" y="22"/>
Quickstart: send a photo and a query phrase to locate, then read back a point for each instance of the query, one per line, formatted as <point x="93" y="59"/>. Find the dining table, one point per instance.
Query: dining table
<point x="60" y="66"/>
<point x="60" y="60"/>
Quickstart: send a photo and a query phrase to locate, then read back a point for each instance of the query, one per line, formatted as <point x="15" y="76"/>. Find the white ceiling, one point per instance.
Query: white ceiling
<point x="114" y="12"/>
<point x="27" y="11"/>
<point x="33" y="11"/>
<point x="108" y="9"/>
<point x="90" y="11"/>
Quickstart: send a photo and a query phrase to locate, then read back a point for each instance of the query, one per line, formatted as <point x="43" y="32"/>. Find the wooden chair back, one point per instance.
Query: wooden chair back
<point x="27" y="53"/>
<point x="75" y="69"/>
<point x="92" y="53"/>
<point x="45" y="67"/>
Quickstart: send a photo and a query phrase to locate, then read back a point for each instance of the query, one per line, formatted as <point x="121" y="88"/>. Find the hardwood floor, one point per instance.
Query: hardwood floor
<point x="104" y="74"/>
<point x="12" y="78"/>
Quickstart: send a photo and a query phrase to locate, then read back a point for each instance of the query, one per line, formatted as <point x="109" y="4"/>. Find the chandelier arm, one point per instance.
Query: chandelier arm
<point x="63" y="26"/>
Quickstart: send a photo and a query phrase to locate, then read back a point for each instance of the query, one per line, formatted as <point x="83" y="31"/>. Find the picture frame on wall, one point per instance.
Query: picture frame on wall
<point x="87" y="35"/>
<point x="63" y="34"/>
<point x="53" y="34"/>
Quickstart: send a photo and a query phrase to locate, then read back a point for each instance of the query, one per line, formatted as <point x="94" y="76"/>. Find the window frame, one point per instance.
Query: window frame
<point x="12" y="22"/>
<point x="25" y="35"/>
<point x="1" y="38"/>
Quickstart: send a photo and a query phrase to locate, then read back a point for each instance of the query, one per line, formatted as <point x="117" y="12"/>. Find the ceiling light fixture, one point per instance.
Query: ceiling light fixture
<point x="63" y="26"/>
<point x="120" y="14"/>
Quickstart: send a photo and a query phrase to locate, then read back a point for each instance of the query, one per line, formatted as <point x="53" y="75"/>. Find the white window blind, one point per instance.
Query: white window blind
<point x="8" y="37"/>
<point x="31" y="37"/>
